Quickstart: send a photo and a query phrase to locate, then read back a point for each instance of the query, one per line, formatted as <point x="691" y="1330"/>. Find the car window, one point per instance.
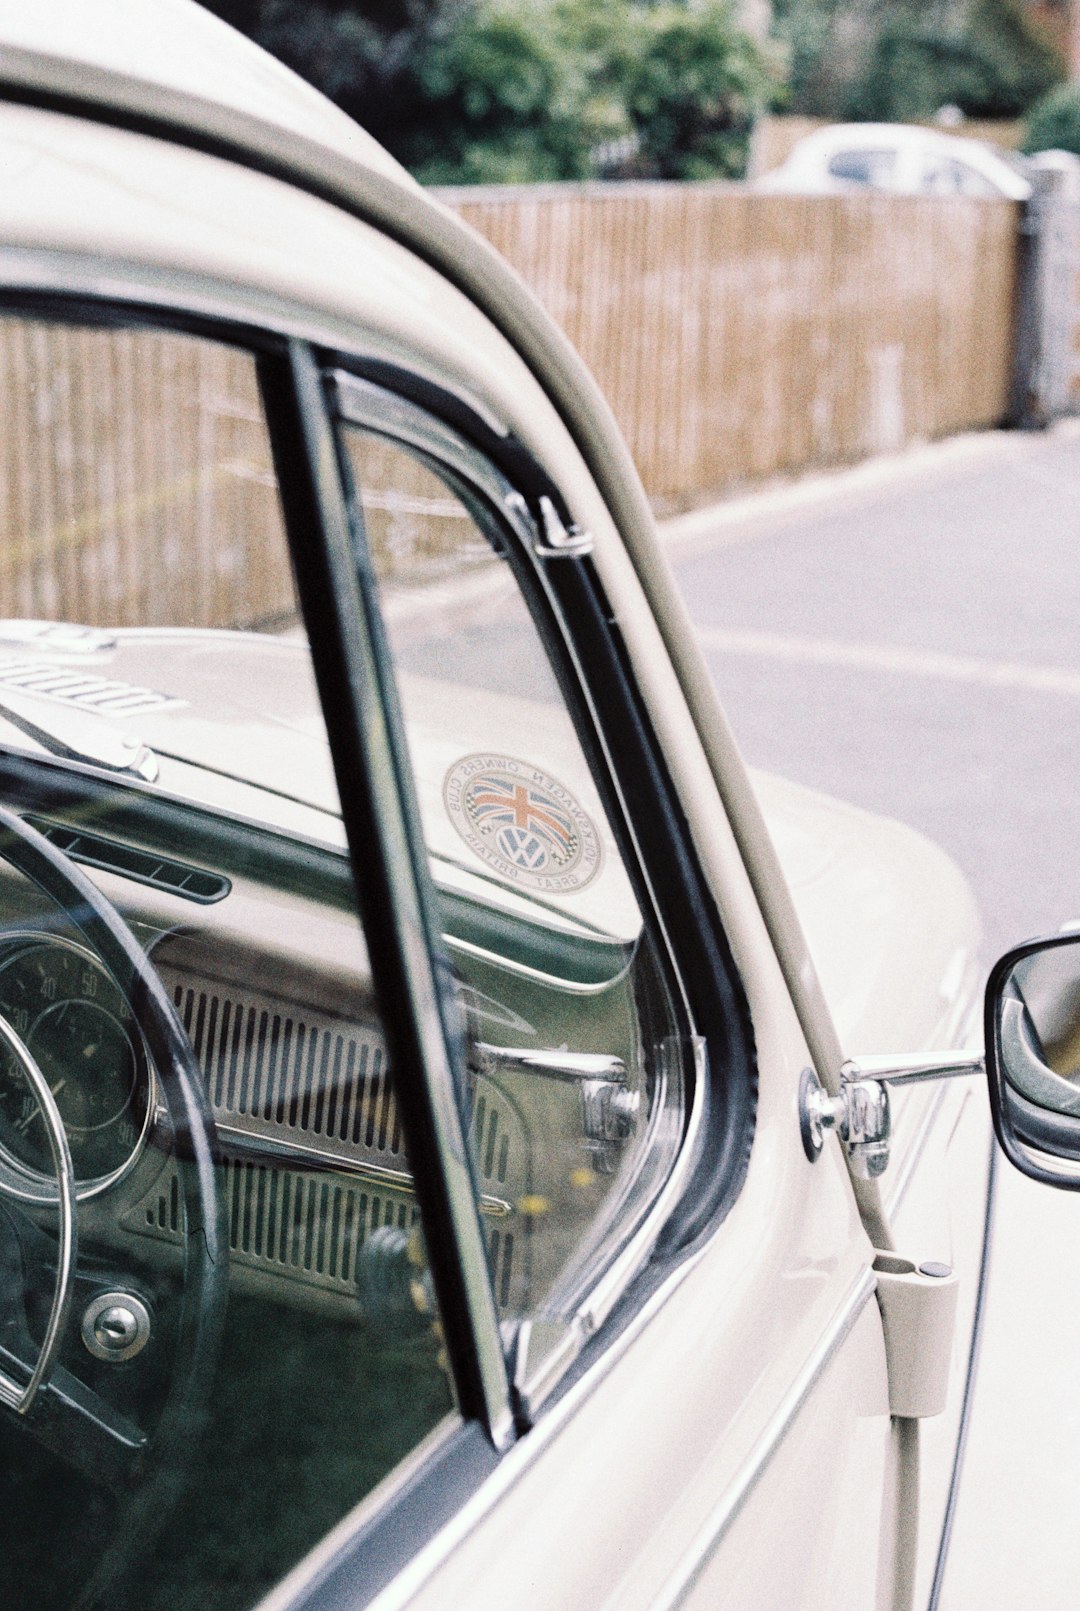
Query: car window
<point x="943" y="176"/>
<point x="244" y="1347"/>
<point x="863" y="167"/>
<point x="574" y="1087"/>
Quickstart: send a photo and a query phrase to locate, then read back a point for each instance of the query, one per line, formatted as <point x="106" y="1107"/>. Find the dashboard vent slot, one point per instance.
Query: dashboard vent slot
<point x="306" y="1223"/>
<point x="491" y="1138"/>
<point x="316" y="1077"/>
<point x="109" y="856"/>
<point x="501" y="1260"/>
<point x="163" y="1211"/>
<point x="301" y="1223"/>
<point x="279" y="1073"/>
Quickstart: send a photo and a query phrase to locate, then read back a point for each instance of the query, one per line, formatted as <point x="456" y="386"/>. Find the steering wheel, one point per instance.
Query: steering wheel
<point x="47" y="1402"/>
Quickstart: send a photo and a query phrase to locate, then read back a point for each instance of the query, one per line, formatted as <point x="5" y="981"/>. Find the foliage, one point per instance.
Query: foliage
<point x="363" y="54"/>
<point x="989" y="66"/>
<point x="1053" y="123"/>
<point x="692" y="91"/>
<point x="899" y="60"/>
<point x="505" y="101"/>
<point x="568" y="89"/>
<point x="819" y="52"/>
<point x="482" y="91"/>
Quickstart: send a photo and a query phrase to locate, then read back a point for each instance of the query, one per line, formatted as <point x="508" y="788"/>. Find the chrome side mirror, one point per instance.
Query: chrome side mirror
<point x="1033" y="1057"/>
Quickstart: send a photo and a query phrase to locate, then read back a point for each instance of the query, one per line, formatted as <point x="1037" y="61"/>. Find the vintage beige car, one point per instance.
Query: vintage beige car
<point x="446" y="1148"/>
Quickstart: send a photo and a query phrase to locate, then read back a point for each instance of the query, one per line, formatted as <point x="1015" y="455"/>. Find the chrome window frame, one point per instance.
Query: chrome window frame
<point x="388" y="413"/>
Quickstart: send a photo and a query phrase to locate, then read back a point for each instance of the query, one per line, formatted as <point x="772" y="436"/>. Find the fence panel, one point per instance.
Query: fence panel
<point x="135" y="481"/>
<point x="738" y="334"/>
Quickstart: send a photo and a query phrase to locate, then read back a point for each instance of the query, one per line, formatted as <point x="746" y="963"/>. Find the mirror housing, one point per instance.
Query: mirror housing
<point x="1033" y="1057"/>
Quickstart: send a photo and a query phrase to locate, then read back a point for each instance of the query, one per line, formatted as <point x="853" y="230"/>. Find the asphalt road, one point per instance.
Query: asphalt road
<point x="907" y="636"/>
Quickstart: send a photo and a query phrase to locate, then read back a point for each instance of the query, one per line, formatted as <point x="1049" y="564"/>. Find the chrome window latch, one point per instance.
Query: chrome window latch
<point x="860" y="1112"/>
<point x="559" y="541"/>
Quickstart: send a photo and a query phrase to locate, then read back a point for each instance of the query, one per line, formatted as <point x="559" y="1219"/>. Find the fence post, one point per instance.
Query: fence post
<point x="1046" y="362"/>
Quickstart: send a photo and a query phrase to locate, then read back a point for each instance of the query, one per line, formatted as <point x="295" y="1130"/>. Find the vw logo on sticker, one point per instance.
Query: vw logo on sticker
<point x="522" y="822"/>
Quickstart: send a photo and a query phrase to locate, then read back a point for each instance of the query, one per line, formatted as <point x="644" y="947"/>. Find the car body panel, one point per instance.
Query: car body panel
<point x="120" y="239"/>
<point x="178" y="50"/>
<point x="913" y="154"/>
<point x="909" y="896"/>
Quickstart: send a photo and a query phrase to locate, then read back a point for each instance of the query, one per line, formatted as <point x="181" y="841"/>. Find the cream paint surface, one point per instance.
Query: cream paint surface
<point x="1015" y="1541"/>
<point x="636" y="1468"/>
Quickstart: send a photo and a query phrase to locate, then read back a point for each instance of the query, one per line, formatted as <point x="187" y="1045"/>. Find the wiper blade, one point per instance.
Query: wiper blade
<point x="81" y="735"/>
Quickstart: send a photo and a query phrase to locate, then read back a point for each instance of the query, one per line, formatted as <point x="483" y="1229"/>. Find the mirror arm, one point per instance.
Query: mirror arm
<point x="860" y="1112"/>
<point x="915" y="1067"/>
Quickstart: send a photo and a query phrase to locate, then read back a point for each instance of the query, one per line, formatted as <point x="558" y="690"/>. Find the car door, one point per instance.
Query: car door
<point x="725" y="1425"/>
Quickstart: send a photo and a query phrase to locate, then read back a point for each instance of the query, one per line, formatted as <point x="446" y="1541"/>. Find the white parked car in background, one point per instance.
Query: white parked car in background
<point x="433" y="1171"/>
<point x="897" y="158"/>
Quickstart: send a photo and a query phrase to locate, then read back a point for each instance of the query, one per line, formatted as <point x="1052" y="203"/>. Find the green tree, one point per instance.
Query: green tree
<point x="899" y="60"/>
<point x="362" y="54"/>
<point x="985" y="60"/>
<point x="692" y="91"/>
<point x="1054" y="122"/>
<point x="506" y="101"/>
<point x="510" y="91"/>
<point x="564" y="90"/>
<point x="826" y="44"/>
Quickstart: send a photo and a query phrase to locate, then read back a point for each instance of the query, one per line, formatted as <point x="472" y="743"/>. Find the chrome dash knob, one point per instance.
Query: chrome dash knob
<point x="116" y="1326"/>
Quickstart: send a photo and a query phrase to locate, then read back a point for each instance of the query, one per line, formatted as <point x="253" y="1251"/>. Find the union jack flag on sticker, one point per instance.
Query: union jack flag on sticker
<point x="522" y="822"/>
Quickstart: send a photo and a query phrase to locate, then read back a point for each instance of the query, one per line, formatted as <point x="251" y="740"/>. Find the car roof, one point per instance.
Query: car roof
<point x="170" y="70"/>
<point x="866" y="134"/>
<point x="184" y="53"/>
<point x="906" y="137"/>
<point x="174" y="161"/>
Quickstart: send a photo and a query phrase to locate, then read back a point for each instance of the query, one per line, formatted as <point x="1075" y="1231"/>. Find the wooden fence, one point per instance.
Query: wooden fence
<point x="737" y="335"/>
<point x="741" y="335"/>
<point x="136" y="483"/>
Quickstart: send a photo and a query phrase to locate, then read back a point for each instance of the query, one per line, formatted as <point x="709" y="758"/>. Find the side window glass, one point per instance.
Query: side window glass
<point x="969" y="182"/>
<point x="574" y="1098"/>
<point x="201" y="1369"/>
<point x="864" y="167"/>
<point x="944" y="177"/>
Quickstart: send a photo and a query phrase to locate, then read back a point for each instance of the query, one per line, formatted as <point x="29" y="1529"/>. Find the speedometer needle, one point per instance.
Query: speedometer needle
<point x="22" y="1125"/>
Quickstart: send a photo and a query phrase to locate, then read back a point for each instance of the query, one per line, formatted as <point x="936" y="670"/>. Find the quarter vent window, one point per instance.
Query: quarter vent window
<point x="92" y="850"/>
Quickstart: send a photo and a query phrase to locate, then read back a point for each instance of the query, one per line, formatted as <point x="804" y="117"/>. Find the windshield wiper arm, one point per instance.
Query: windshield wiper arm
<point x="82" y="735"/>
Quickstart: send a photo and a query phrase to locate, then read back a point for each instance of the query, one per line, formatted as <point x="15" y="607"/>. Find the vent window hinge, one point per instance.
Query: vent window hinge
<point x="557" y="540"/>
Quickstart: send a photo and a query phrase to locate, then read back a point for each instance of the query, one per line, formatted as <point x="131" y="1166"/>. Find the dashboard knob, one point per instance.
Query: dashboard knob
<point x="116" y="1326"/>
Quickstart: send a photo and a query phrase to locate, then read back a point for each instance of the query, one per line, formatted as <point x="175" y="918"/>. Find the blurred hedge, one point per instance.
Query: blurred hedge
<point x="900" y="60"/>
<point x="475" y="91"/>
<point x="1054" y="122"/>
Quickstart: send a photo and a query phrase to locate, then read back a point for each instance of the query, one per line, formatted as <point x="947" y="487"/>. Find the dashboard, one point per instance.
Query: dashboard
<point x="255" y="938"/>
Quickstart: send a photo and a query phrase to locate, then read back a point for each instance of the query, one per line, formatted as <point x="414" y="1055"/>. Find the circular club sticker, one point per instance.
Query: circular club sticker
<point x="522" y="822"/>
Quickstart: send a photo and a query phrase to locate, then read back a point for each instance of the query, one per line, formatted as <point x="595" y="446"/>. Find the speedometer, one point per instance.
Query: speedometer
<point x="77" y="1025"/>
